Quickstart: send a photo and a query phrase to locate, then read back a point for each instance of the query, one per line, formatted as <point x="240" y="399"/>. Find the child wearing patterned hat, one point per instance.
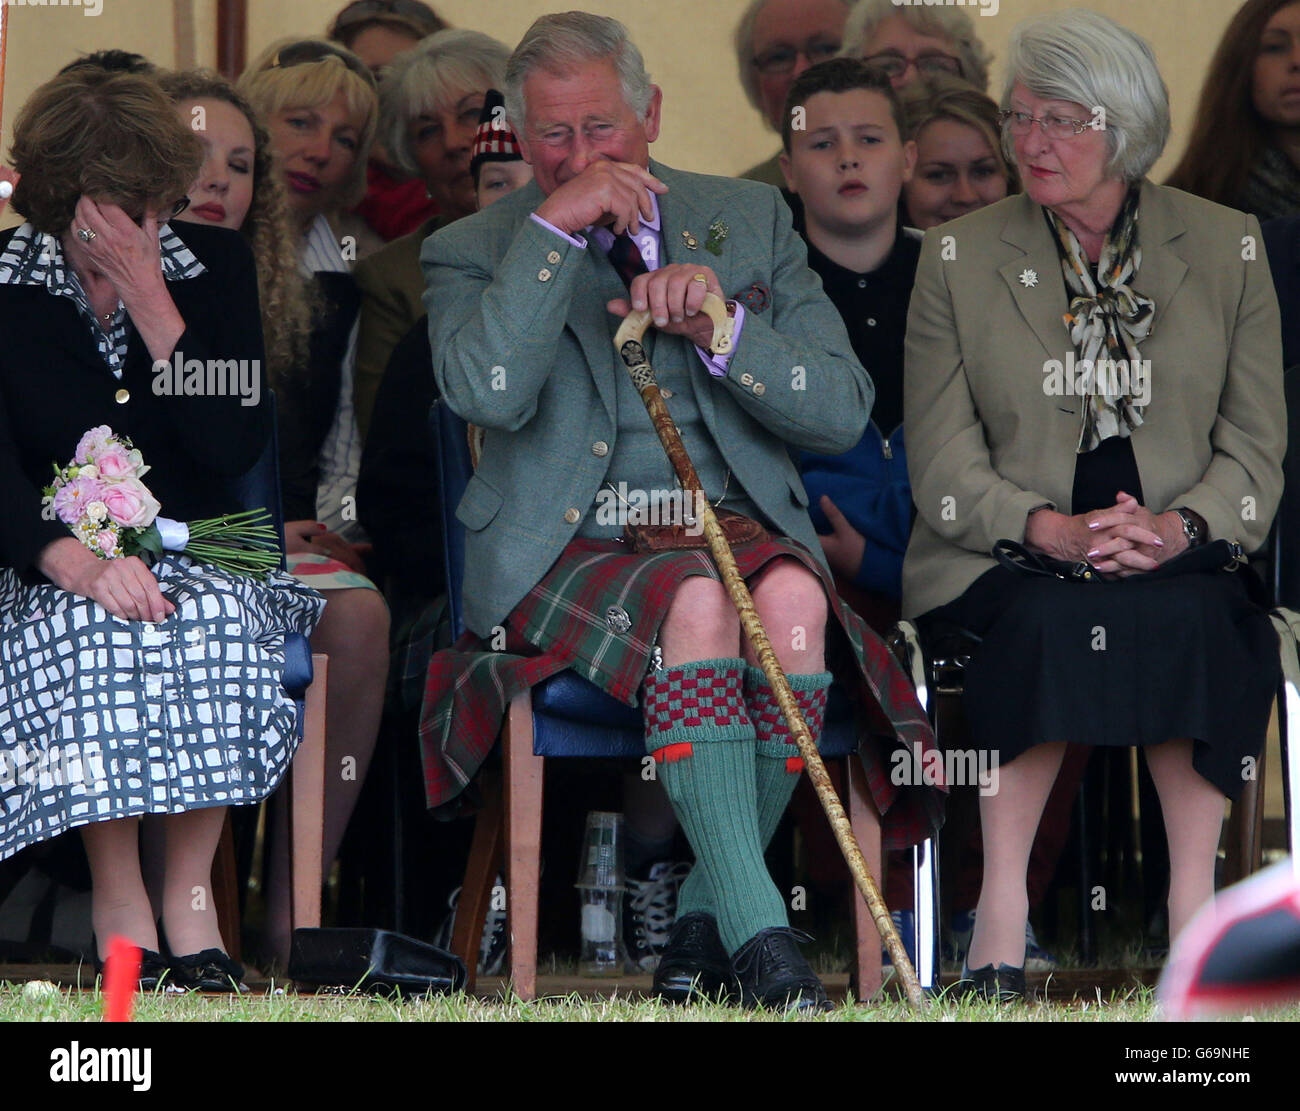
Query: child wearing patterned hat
<point x="496" y="163"/>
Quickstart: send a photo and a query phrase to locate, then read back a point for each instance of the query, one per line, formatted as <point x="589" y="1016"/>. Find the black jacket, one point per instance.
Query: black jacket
<point x="54" y="386"/>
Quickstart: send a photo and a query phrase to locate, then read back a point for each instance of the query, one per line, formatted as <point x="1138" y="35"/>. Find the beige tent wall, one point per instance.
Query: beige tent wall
<point x="708" y="124"/>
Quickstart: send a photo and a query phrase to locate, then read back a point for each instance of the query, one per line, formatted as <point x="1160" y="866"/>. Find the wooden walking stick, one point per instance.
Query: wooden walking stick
<point x="628" y="344"/>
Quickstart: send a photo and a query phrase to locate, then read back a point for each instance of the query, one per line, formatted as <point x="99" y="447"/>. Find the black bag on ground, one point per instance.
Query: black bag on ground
<point x="372" y="960"/>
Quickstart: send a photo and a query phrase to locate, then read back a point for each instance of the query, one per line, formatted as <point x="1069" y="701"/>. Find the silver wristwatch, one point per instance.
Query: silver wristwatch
<point x="1192" y="528"/>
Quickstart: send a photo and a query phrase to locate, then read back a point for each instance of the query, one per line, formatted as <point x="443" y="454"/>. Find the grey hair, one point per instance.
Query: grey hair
<point x="948" y="23"/>
<point x="444" y="65"/>
<point x="1087" y="58"/>
<point x="562" y="41"/>
<point x="744" y="43"/>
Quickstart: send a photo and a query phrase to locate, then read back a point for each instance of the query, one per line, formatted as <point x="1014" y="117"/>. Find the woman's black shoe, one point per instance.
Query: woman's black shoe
<point x="210" y="970"/>
<point x="773" y="973"/>
<point x="695" y="967"/>
<point x="154" y="969"/>
<point x="1006" y="984"/>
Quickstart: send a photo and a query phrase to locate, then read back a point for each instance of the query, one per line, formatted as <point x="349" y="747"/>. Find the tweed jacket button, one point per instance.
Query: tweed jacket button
<point x="553" y="257"/>
<point x="543" y="275"/>
<point x="572" y="515"/>
<point x="600" y="448"/>
<point x="122" y="396"/>
<point x="759" y="389"/>
<point x="747" y="380"/>
<point x="617" y="620"/>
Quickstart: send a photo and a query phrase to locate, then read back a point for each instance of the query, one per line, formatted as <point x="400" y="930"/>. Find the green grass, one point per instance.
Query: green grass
<point x="1135" y="1005"/>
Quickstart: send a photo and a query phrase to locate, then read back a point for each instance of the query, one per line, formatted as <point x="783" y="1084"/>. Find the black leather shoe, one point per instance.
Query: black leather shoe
<point x="773" y="973"/>
<point x="154" y="969"/>
<point x="695" y="967"/>
<point x="1006" y="984"/>
<point x="210" y="970"/>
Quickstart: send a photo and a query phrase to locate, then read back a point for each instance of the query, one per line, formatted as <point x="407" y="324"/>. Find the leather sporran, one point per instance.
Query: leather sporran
<point x="649" y="539"/>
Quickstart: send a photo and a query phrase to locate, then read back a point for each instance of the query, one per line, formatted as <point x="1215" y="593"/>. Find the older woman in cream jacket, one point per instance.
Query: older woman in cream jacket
<point x="1094" y="370"/>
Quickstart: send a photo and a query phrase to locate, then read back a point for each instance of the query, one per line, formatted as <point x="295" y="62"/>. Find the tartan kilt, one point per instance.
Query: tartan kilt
<point x="598" y="610"/>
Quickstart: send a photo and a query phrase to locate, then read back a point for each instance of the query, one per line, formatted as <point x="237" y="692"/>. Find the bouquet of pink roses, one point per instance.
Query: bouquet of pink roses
<point x="100" y="497"/>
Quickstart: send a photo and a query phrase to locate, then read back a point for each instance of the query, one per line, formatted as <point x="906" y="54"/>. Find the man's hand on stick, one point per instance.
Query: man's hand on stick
<point x="674" y="295"/>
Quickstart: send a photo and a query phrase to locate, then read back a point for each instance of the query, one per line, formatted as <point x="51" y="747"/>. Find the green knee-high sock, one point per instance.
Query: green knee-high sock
<point x="778" y="764"/>
<point x="703" y="743"/>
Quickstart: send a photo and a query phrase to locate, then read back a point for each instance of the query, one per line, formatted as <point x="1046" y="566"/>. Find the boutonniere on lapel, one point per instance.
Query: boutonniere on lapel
<point x="718" y="232"/>
<point x="1029" y="278"/>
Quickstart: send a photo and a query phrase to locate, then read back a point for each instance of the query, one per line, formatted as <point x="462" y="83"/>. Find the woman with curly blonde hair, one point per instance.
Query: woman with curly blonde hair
<point x="246" y="171"/>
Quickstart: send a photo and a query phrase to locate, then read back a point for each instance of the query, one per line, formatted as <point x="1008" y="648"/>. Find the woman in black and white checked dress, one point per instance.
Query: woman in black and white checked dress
<point x="128" y="690"/>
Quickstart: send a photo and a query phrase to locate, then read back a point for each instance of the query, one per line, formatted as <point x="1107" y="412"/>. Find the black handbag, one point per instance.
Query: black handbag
<point x="1218" y="555"/>
<point x="373" y="961"/>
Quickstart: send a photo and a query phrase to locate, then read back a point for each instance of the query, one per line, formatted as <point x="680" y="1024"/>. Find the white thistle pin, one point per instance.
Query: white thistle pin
<point x="1028" y="278"/>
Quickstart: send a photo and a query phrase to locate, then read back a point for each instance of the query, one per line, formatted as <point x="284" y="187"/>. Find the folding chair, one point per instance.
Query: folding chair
<point x="566" y="716"/>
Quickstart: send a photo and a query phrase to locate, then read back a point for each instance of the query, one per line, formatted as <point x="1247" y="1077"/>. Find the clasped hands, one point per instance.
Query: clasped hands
<point x="617" y="195"/>
<point x="1126" y="539"/>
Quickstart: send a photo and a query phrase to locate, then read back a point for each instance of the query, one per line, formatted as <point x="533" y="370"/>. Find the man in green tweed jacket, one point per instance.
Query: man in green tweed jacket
<point x="524" y="301"/>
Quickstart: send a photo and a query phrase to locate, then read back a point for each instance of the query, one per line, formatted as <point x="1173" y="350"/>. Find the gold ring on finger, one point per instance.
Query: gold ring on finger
<point x="700" y="278"/>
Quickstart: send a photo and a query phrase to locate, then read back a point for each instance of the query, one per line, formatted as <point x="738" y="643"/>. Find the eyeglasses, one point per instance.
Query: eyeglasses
<point x="1054" y="127"/>
<point x="137" y="217"/>
<point x="300" y="53"/>
<point x="896" y="64"/>
<point x="781" y="59"/>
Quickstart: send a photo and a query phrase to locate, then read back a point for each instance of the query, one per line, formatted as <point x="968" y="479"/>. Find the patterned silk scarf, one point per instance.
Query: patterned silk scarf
<point x="1107" y="319"/>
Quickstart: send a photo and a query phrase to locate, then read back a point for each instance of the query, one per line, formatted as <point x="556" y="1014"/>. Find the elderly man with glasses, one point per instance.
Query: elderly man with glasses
<point x="776" y="40"/>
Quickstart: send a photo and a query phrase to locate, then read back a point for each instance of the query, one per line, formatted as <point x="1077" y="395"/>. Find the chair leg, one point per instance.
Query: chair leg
<point x="225" y="890"/>
<point x="307" y="805"/>
<point x="1246" y="829"/>
<point x="480" y="870"/>
<point x="523" y="848"/>
<point x="865" y="823"/>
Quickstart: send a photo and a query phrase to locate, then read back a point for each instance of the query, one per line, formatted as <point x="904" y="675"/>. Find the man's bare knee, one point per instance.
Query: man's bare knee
<point x="791" y="603"/>
<point x="701" y="623"/>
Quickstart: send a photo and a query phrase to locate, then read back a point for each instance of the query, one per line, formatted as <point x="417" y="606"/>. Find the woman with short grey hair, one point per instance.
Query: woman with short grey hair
<point x="1110" y="72"/>
<point x="1095" y="433"/>
<point x="429" y="102"/>
<point x="907" y="41"/>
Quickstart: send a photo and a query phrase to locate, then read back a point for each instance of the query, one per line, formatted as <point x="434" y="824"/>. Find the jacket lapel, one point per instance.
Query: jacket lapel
<point x="1163" y="269"/>
<point x="1040" y="295"/>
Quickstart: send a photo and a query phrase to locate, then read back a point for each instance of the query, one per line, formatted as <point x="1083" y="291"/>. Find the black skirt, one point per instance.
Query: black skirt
<point x="1136" y="661"/>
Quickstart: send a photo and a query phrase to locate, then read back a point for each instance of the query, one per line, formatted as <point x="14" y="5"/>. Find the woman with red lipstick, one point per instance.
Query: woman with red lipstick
<point x="1093" y="374"/>
<point x="1245" y="145"/>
